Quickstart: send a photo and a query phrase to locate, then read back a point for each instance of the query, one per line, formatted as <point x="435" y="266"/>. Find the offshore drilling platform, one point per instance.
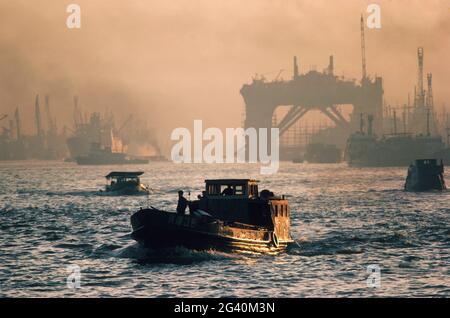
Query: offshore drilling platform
<point x="322" y="91"/>
<point x="315" y="91"/>
<point x="327" y="93"/>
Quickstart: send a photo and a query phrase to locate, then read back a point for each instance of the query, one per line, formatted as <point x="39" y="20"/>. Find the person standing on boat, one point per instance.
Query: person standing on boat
<point x="182" y="203"/>
<point x="228" y="191"/>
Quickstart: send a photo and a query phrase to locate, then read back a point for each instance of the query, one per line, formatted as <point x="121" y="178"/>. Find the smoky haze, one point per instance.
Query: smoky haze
<point x="175" y="61"/>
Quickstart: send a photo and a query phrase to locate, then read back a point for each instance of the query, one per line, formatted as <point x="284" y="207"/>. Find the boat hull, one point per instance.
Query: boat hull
<point x="121" y="192"/>
<point x="94" y="161"/>
<point x="154" y="229"/>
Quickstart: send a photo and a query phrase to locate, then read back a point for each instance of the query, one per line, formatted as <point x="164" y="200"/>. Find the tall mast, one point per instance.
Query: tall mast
<point x="37" y="114"/>
<point x="18" y="128"/>
<point x="430" y="92"/>
<point x="448" y="132"/>
<point x="395" y="122"/>
<point x="420" y="92"/>
<point x="47" y="112"/>
<point x="77" y="118"/>
<point x="363" y="49"/>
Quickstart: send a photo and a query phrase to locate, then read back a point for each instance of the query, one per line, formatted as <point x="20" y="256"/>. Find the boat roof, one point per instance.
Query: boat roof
<point x="124" y="174"/>
<point x="230" y="181"/>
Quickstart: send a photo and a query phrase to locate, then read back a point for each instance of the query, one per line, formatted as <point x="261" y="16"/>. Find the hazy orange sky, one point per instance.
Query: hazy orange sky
<point x="179" y="60"/>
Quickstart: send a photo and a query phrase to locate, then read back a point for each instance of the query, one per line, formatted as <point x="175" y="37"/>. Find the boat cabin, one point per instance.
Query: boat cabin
<point x="239" y="200"/>
<point x="119" y="177"/>
<point x="232" y="188"/>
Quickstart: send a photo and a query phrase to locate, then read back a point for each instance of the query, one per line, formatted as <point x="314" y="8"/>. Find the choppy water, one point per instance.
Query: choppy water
<point x="344" y="219"/>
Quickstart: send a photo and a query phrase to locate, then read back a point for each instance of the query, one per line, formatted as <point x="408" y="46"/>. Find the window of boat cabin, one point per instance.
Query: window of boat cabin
<point x="127" y="179"/>
<point x="239" y="189"/>
<point x="213" y="189"/>
<point x="218" y="189"/>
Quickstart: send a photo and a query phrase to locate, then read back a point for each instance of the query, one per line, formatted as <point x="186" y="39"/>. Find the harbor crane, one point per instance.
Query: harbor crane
<point x="125" y="123"/>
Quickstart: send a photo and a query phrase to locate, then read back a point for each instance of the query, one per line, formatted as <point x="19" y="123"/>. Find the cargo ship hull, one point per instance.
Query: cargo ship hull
<point x="78" y="146"/>
<point x="395" y="151"/>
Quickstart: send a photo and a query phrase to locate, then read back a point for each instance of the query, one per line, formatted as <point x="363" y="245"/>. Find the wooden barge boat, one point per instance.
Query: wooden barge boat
<point x="231" y="215"/>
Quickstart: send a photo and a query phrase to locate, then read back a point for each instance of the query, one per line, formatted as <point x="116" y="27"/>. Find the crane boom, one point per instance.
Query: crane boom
<point x="125" y="123"/>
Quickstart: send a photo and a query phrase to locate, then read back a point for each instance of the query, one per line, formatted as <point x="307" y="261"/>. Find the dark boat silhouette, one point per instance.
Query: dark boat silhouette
<point x="244" y="220"/>
<point x="125" y="183"/>
<point x="425" y="175"/>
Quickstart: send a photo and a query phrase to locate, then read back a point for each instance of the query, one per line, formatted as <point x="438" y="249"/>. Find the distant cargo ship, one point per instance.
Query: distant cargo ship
<point x="322" y="153"/>
<point x="104" y="156"/>
<point x="395" y="150"/>
<point x="444" y="155"/>
<point x="90" y="132"/>
<point x="78" y="146"/>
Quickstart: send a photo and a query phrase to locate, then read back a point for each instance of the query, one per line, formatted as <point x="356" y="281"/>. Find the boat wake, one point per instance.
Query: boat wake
<point x="350" y="243"/>
<point x="116" y="194"/>
<point x="177" y="255"/>
<point x="72" y="193"/>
